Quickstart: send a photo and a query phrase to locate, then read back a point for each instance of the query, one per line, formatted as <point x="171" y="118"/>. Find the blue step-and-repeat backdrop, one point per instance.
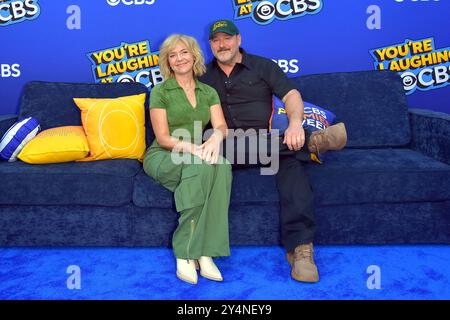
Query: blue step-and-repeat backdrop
<point x="118" y="40"/>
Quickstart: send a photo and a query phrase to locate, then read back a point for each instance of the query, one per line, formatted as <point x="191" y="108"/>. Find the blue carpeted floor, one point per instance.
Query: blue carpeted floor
<point x="407" y="272"/>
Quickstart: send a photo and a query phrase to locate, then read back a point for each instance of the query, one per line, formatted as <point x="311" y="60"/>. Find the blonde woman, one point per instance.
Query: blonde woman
<point x="201" y="185"/>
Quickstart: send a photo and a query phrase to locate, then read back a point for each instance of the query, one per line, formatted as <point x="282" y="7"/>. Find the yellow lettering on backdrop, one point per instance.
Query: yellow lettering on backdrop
<point x="427" y="47"/>
<point x="142" y="46"/>
<point x="133" y="50"/>
<point x="99" y="72"/>
<point x="97" y="56"/>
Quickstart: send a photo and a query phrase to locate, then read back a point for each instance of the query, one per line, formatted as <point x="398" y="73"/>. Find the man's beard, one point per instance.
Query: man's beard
<point x="225" y="57"/>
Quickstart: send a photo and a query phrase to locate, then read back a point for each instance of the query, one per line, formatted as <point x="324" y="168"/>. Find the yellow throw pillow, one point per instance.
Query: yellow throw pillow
<point x="115" y="128"/>
<point x="61" y="144"/>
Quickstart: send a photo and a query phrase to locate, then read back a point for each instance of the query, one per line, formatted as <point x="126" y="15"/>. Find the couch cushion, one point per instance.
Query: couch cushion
<point x="106" y="183"/>
<point x="148" y="193"/>
<point x="350" y="176"/>
<point x="372" y="104"/>
<point x="354" y="176"/>
<point x="262" y="190"/>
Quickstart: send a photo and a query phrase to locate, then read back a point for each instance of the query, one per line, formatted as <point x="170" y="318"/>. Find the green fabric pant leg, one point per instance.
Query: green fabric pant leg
<point x="202" y="196"/>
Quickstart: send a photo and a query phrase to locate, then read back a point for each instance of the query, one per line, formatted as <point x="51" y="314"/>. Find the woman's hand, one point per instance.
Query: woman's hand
<point x="197" y="151"/>
<point x="211" y="148"/>
<point x="187" y="147"/>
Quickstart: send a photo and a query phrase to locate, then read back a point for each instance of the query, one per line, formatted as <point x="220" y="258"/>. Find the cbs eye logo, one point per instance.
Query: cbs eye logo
<point x="427" y="78"/>
<point x="409" y="80"/>
<point x="266" y="11"/>
<point x="114" y="3"/>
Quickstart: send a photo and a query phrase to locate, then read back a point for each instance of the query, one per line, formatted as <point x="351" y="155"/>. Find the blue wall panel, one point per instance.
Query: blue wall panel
<point x="55" y="41"/>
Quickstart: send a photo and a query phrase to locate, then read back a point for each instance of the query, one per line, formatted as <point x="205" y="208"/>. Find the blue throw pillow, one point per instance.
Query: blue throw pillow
<point x="17" y="137"/>
<point x="314" y="117"/>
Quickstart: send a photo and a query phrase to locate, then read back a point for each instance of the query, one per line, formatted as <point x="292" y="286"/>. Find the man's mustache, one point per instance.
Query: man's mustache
<point x="221" y="50"/>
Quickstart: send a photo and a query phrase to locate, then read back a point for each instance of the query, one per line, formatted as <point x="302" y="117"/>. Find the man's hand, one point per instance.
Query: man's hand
<point x="294" y="137"/>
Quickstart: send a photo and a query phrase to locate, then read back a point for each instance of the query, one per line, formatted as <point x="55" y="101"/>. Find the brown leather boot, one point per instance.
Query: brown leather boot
<point x="302" y="262"/>
<point x="331" y="138"/>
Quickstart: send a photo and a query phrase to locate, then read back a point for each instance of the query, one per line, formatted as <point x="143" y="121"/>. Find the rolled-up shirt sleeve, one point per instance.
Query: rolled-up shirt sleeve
<point x="278" y="80"/>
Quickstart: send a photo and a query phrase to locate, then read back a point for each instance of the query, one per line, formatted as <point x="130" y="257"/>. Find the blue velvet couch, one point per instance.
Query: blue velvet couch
<point x="391" y="184"/>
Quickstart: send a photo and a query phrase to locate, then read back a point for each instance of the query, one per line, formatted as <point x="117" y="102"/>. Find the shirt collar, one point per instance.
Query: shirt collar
<point x="245" y="60"/>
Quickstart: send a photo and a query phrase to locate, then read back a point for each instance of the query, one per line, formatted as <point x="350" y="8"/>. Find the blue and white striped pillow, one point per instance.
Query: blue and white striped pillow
<point x="17" y="137"/>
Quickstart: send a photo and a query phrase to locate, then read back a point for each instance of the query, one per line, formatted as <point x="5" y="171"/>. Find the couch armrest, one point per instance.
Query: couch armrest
<point x="430" y="133"/>
<point x="6" y="121"/>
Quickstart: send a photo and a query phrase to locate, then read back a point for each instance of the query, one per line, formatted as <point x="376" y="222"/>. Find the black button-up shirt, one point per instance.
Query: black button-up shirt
<point x="246" y="95"/>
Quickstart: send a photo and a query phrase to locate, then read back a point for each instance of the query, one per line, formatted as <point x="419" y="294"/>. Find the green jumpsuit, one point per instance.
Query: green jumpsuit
<point x="201" y="190"/>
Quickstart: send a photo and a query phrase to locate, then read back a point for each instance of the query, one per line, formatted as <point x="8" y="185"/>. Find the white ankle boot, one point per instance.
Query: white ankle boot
<point x="186" y="270"/>
<point x="208" y="269"/>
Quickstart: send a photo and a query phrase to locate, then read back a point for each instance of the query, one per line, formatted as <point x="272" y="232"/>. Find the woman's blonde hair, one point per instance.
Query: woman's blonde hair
<point x="192" y="45"/>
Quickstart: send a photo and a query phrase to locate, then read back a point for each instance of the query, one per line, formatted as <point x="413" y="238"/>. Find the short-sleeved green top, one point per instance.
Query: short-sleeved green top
<point x="180" y="113"/>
